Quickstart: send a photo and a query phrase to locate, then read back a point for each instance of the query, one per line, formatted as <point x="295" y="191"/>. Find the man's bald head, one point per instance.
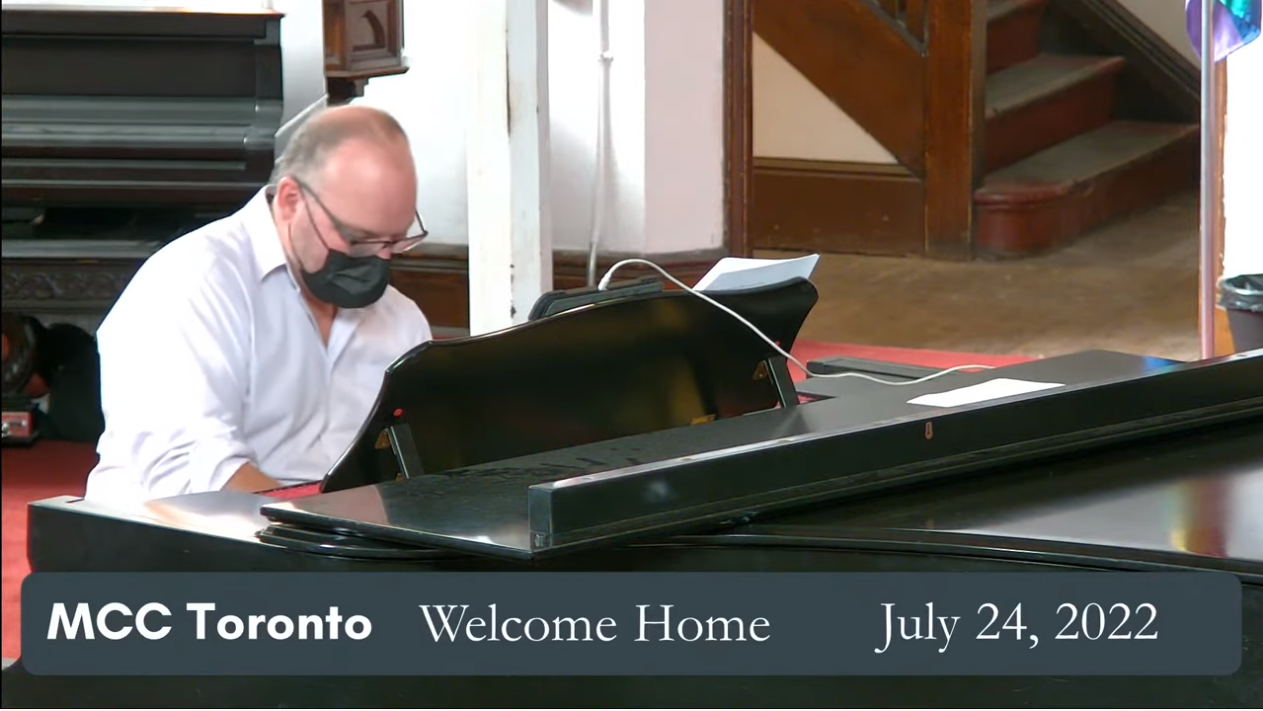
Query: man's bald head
<point x="312" y="145"/>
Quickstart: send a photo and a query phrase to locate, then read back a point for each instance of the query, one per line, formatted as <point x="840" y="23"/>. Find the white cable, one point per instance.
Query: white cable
<point x="600" y="171"/>
<point x="605" y="283"/>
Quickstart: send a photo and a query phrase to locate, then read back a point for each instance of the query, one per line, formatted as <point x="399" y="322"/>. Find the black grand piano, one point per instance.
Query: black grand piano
<point x="657" y="433"/>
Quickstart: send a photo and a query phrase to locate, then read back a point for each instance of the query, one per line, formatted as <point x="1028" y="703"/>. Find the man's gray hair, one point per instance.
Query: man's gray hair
<point x="324" y="131"/>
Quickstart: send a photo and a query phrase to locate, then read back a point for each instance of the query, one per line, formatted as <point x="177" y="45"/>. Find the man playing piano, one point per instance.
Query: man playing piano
<point x="245" y="355"/>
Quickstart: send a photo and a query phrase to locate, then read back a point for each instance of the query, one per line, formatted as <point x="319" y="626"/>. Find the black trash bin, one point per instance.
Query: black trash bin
<point x="1242" y="297"/>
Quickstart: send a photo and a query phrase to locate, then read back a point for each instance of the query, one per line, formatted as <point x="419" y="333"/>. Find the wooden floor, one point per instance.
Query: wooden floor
<point x="1131" y="286"/>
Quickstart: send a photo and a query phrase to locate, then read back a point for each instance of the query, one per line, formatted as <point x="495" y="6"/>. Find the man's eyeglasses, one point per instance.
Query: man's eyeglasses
<point x="365" y="244"/>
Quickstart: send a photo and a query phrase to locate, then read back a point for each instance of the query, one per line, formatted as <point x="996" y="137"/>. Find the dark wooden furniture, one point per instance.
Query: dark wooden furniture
<point x="138" y="108"/>
<point x="124" y="129"/>
<point x="363" y="40"/>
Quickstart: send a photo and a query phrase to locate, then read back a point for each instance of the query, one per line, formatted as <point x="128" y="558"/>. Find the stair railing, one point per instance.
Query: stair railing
<point x="910" y="14"/>
<point x="911" y="73"/>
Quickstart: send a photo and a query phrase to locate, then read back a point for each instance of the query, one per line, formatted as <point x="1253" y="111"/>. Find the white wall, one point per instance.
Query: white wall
<point x="794" y="119"/>
<point x="302" y="58"/>
<point x="1243" y="145"/>
<point x="430" y="100"/>
<point x="1243" y="163"/>
<point x="684" y="124"/>
<point x="1166" y="19"/>
<point x="666" y="124"/>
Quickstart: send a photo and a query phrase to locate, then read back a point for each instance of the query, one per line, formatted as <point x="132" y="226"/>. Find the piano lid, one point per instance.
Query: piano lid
<point x="1194" y="499"/>
<point x="596" y="373"/>
<point x="693" y="478"/>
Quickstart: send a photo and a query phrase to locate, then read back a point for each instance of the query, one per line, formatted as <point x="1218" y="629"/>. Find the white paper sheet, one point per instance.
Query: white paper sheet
<point x="990" y="390"/>
<point x="732" y="273"/>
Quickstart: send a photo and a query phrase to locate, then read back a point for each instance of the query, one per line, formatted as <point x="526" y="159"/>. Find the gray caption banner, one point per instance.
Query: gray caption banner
<point x="631" y="624"/>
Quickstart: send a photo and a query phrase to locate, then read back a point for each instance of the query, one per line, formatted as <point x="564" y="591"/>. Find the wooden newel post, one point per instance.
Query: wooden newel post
<point x="955" y="76"/>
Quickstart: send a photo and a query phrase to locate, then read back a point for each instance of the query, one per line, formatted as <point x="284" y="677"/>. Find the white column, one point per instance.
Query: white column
<point x="530" y="157"/>
<point x="507" y="149"/>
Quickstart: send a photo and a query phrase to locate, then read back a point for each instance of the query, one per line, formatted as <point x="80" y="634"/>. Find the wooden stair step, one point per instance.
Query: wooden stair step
<point x="1048" y="74"/>
<point x="997" y="9"/>
<point x="1013" y="31"/>
<point x="1052" y="197"/>
<point x="1047" y="100"/>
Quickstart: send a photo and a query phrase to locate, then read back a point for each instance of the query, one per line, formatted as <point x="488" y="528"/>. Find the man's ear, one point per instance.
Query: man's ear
<point x="288" y="198"/>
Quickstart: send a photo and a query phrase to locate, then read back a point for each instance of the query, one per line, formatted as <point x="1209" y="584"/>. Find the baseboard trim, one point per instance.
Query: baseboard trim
<point x="838" y="207"/>
<point x="437" y="278"/>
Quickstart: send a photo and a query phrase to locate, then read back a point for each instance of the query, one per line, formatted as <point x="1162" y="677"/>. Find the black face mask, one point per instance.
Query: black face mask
<point x="348" y="282"/>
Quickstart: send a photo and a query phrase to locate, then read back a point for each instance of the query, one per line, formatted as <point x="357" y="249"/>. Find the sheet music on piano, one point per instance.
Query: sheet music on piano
<point x="735" y="273"/>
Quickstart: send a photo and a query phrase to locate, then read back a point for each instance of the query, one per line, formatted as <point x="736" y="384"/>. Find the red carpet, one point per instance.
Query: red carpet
<point x="807" y="351"/>
<point x="46" y="470"/>
<point x="57" y="468"/>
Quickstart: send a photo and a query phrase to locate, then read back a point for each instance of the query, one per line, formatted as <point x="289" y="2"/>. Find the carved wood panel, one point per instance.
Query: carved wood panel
<point x="64" y="286"/>
<point x="363" y="40"/>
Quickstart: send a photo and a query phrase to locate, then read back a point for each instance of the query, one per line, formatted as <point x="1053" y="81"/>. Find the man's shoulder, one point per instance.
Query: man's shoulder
<point x="219" y="249"/>
<point x="211" y="262"/>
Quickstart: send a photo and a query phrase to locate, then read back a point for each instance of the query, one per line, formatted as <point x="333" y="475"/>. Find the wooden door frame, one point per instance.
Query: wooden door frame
<point x="738" y="123"/>
<point x="1222" y="336"/>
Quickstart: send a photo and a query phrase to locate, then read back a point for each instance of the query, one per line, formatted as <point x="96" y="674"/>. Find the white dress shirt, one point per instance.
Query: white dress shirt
<point x="211" y="359"/>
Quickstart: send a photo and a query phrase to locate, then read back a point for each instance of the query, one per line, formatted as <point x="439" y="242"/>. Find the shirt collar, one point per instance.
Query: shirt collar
<point x="265" y="240"/>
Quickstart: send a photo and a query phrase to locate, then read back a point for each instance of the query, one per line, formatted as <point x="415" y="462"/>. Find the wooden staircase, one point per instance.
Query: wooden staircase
<point x="1016" y="125"/>
<point x="1057" y="160"/>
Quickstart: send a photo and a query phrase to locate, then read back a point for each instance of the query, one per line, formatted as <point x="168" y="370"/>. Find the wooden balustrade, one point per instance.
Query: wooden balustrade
<point x="910" y="14"/>
<point x="891" y="65"/>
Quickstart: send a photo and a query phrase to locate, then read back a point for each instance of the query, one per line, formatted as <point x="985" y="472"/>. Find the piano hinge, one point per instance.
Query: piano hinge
<point x="405" y="451"/>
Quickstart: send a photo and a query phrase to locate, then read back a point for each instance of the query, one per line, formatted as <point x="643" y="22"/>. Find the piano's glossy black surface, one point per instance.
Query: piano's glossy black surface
<point x="1096" y="476"/>
<point x="1189" y="502"/>
<point x="595" y="493"/>
<point x="634" y="366"/>
<point x="1186" y="502"/>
